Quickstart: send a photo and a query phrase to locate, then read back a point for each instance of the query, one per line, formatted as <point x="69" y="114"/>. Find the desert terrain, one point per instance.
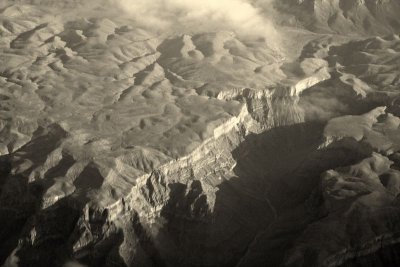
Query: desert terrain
<point x="199" y="133"/>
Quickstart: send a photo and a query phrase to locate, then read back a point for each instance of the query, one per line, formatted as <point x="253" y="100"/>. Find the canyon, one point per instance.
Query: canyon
<point x="125" y="143"/>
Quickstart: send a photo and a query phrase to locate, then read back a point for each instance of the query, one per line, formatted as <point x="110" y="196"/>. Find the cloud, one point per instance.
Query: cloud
<point x="240" y="16"/>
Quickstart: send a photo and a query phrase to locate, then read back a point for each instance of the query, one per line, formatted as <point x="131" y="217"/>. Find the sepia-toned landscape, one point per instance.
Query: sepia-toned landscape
<point x="199" y="133"/>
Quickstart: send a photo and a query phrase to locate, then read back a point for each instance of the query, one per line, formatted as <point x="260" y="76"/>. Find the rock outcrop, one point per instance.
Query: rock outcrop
<point x="121" y="146"/>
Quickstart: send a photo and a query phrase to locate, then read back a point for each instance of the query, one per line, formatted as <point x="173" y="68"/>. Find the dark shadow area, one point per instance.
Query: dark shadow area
<point x="89" y="179"/>
<point x="11" y="219"/>
<point x="259" y="209"/>
<point x="258" y="212"/>
<point x="19" y="42"/>
<point x="105" y="252"/>
<point x="19" y="198"/>
<point x="46" y="234"/>
<point x="49" y="236"/>
<point x="388" y="256"/>
<point x="146" y="244"/>
<point x="299" y="202"/>
<point x="42" y="235"/>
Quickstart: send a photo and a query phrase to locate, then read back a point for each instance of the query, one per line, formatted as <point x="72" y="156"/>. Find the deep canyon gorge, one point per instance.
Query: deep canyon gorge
<point x="199" y="133"/>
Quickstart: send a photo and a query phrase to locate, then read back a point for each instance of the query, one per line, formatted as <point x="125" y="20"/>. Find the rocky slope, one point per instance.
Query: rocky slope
<point x="124" y="146"/>
<point x="353" y="17"/>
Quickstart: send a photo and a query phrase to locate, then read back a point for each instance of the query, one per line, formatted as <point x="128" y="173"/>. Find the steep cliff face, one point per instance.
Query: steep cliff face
<point x="122" y="162"/>
<point x="121" y="146"/>
<point x="178" y="207"/>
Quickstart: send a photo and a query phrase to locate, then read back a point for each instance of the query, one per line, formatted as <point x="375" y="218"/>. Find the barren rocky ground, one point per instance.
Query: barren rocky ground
<point x="199" y="133"/>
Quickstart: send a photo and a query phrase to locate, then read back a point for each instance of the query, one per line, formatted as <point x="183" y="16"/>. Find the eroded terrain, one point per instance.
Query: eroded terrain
<point x="124" y="146"/>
